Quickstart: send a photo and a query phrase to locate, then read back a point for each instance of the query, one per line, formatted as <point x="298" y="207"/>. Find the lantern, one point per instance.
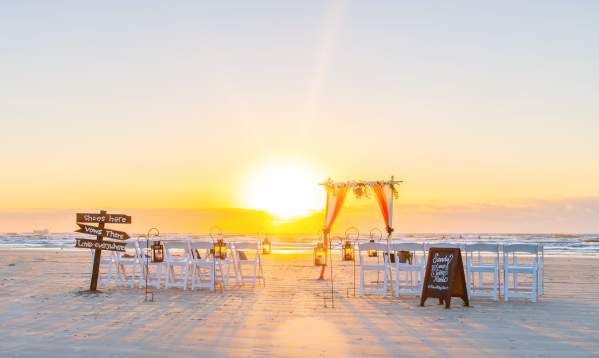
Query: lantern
<point x="157" y="251"/>
<point x="320" y="255"/>
<point x="266" y="247"/>
<point x="220" y="249"/>
<point x="348" y="251"/>
<point x="372" y="252"/>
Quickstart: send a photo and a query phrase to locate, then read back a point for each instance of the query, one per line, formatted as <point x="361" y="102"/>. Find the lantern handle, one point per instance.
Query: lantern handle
<point x="349" y="230"/>
<point x="216" y="231"/>
<point x="379" y="231"/>
<point x="153" y="231"/>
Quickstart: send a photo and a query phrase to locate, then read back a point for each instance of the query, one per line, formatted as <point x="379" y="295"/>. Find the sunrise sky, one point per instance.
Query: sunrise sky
<point x="489" y="112"/>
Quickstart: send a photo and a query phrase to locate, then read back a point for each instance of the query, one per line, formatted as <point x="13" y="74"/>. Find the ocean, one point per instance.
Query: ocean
<point x="554" y="244"/>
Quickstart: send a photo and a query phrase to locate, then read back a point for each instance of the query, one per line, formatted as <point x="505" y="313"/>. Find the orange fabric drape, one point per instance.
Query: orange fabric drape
<point x="337" y="201"/>
<point x="381" y="199"/>
<point x="334" y="203"/>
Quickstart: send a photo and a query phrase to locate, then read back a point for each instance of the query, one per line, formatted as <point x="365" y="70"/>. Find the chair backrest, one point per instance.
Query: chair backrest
<point x="406" y="246"/>
<point x="365" y="246"/>
<point x="195" y="247"/>
<point x="195" y="244"/>
<point x="172" y="246"/>
<point x="521" y="248"/>
<point x="493" y="248"/>
<point x="143" y="243"/>
<point x="443" y="244"/>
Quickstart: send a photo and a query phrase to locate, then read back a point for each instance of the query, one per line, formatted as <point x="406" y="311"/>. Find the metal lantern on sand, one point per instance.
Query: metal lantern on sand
<point x="157" y="251"/>
<point x="374" y="252"/>
<point x="266" y="245"/>
<point x="219" y="247"/>
<point x="348" y="250"/>
<point x="320" y="258"/>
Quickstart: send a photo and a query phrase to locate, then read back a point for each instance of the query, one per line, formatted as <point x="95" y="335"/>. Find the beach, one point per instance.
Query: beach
<point x="45" y="311"/>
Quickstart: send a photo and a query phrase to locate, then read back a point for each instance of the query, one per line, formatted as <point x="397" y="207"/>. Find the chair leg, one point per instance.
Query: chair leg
<point x="495" y="285"/>
<point x="193" y="277"/>
<point x="534" y="287"/>
<point x="396" y="283"/>
<point x="185" y="276"/>
<point x="361" y="281"/>
<point x="385" y="284"/>
<point x="132" y="280"/>
<point x="506" y="285"/>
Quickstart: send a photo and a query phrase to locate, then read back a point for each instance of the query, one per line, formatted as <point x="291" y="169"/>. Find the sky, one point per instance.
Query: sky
<point x="488" y="112"/>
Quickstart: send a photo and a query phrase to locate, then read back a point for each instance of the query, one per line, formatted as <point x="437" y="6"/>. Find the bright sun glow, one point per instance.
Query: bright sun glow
<point x="285" y="189"/>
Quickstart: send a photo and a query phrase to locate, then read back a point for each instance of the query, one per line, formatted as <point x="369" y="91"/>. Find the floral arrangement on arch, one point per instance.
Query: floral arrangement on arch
<point x="360" y="189"/>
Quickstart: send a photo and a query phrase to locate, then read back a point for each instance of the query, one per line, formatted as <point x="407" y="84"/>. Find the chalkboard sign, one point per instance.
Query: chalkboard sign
<point x="444" y="277"/>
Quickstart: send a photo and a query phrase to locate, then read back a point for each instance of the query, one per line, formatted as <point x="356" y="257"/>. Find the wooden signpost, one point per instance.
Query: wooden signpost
<point x="444" y="277"/>
<point x="107" y="233"/>
<point x="101" y="232"/>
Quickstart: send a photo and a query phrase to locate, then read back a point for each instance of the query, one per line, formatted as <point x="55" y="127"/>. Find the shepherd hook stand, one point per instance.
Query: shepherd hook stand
<point x="156" y="233"/>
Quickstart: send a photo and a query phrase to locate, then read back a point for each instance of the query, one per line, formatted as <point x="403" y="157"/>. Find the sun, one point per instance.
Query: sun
<point x="285" y="188"/>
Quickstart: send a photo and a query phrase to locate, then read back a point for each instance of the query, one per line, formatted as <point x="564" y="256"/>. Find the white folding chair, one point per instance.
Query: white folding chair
<point x="476" y="263"/>
<point x="203" y="265"/>
<point x="524" y="261"/>
<point x="144" y="249"/>
<point x="106" y="259"/>
<point x="176" y="254"/>
<point x="412" y="268"/>
<point x="124" y="260"/>
<point x="248" y="254"/>
<point x="367" y="264"/>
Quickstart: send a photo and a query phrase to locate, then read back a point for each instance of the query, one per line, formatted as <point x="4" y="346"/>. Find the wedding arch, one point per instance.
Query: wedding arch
<point x="384" y="192"/>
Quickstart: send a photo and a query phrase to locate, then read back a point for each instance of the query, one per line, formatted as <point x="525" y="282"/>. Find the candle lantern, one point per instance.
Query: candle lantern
<point x="266" y="246"/>
<point x="157" y="251"/>
<point x="320" y="255"/>
<point x="348" y="251"/>
<point x="372" y="252"/>
<point x="220" y="249"/>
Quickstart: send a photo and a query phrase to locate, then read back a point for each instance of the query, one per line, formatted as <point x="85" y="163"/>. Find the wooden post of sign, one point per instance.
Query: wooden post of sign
<point x="97" y="255"/>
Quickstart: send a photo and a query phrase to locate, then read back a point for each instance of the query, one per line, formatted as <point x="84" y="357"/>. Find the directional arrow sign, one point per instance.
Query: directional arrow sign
<point x="100" y="245"/>
<point x="108" y="233"/>
<point x="100" y="218"/>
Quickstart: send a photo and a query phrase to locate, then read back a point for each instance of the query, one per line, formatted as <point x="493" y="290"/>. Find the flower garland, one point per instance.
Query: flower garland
<point x="360" y="189"/>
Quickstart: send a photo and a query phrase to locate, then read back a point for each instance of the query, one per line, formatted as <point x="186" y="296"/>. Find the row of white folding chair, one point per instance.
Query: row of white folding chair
<point x="207" y="271"/>
<point x="182" y="255"/>
<point x="475" y="263"/>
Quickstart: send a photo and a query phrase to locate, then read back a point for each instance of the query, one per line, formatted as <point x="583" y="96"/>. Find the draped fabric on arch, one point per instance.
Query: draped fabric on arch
<point x="384" y="197"/>
<point x="337" y="192"/>
<point x="335" y="200"/>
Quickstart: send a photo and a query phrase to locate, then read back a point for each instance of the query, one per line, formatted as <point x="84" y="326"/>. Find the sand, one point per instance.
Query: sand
<point x="43" y="313"/>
